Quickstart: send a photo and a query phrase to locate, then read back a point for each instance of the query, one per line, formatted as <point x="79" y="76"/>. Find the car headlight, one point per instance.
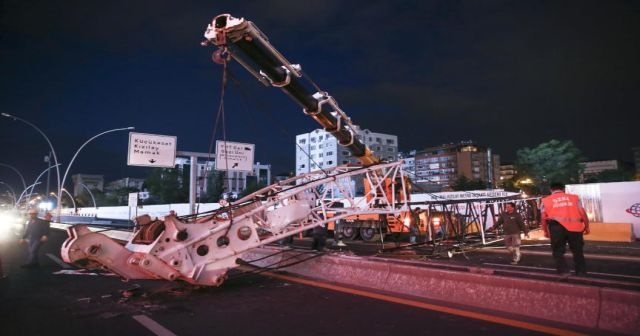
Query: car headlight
<point x="8" y="223"/>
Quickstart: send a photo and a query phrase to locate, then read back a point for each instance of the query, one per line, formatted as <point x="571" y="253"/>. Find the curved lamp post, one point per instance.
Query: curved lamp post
<point x="38" y="178"/>
<point x="72" y="201"/>
<point x="61" y="185"/>
<point x="90" y="194"/>
<point x="24" y="192"/>
<point x="24" y="185"/>
<point x="13" y="194"/>
<point x="55" y="157"/>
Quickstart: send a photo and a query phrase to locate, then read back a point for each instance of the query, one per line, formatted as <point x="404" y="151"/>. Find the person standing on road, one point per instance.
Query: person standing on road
<point x="512" y="223"/>
<point x="36" y="234"/>
<point x="414" y="228"/>
<point x="319" y="235"/>
<point x="565" y="221"/>
<point x="319" y="238"/>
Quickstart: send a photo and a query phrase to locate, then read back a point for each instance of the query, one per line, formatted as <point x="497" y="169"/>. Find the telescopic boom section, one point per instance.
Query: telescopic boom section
<point x="244" y="42"/>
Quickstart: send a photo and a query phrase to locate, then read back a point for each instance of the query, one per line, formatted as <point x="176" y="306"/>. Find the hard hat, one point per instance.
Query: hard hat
<point x="32" y="211"/>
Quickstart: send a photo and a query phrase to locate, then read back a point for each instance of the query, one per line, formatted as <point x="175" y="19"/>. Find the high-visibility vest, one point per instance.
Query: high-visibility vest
<point x="564" y="208"/>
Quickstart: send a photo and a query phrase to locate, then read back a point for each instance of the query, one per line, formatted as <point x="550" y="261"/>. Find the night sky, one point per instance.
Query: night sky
<point x="506" y="74"/>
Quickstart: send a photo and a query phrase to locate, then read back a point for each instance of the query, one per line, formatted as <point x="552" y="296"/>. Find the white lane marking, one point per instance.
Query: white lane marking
<point x="553" y="269"/>
<point x="58" y="261"/>
<point x="152" y="325"/>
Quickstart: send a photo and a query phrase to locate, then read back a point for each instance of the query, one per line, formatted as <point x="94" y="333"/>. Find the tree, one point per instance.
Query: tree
<point x="104" y="199"/>
<point x="84" y="200"/>
<point x="122" y="194"/>
<point x="252" y="186"/>
<point x="550" y="161"/>
<point x="464" y="183"/>
<point x="215" y="186"/>
<point x="167" y="185"/>
<point x="509" y="185"/>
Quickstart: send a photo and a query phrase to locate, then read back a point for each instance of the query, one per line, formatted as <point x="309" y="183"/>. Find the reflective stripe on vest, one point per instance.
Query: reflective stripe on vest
<point x="564" y="208"/>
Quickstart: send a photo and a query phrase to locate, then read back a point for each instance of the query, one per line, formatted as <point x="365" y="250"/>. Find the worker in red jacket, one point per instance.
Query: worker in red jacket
<point x="565" y="221"/>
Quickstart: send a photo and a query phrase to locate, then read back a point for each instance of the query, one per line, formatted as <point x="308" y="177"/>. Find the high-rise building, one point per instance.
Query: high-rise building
<point x="320" y="150"/>
<point x="442" y="165"/>
<point x="507" y="171"/>
<point x="202" y="172"/>
<point x="409" y="165"/>
<point x="236" y="182"/>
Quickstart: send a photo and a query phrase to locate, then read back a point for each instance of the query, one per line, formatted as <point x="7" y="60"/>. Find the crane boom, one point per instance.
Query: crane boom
<point x="201" y="248"/>
<point x="244" y="42"/>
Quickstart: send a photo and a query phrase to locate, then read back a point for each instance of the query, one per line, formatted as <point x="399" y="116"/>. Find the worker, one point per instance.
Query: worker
<point x="414" y="228"/>
<point x="319" y="238"/>
<point x="565" y="221"/>
<point x="36" y="234"/>
<point x="512" y="223"/>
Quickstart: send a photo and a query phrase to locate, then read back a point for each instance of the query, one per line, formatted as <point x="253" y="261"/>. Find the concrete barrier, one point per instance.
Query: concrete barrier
<point x="609" y="310"/>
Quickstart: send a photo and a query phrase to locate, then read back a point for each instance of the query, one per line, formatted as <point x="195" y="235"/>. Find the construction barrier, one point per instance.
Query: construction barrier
<point x="612" y="232"/>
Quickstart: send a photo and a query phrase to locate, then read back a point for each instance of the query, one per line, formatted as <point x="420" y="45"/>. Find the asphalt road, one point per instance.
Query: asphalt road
<point x="41" y="302"/>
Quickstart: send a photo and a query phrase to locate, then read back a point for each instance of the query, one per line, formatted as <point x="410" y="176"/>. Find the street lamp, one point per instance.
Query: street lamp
<point x="24" y="185"/>
<point x="58" y="200"/>
<point x="72" y="201"/>
<point x="24" y="192"/>
<point x="55" y="157"/>
<point x="61" y="186"/>
<point x="38" y="178"/>
<point x="90" y="194"/>
<point x="13" y="194"/>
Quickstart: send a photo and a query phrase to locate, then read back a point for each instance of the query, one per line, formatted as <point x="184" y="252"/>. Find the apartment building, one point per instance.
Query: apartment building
<point x="320" y="150"/>
<point x="443" y="164"/>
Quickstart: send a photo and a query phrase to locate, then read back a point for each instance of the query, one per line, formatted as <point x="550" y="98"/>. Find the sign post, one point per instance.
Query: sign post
<point x="152" y="150"/>
<point x="133" y="202"/>
<point x="234" y="156"/>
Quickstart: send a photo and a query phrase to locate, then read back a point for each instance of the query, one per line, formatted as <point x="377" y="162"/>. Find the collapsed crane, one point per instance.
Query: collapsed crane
<point x="201" y="248"/>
